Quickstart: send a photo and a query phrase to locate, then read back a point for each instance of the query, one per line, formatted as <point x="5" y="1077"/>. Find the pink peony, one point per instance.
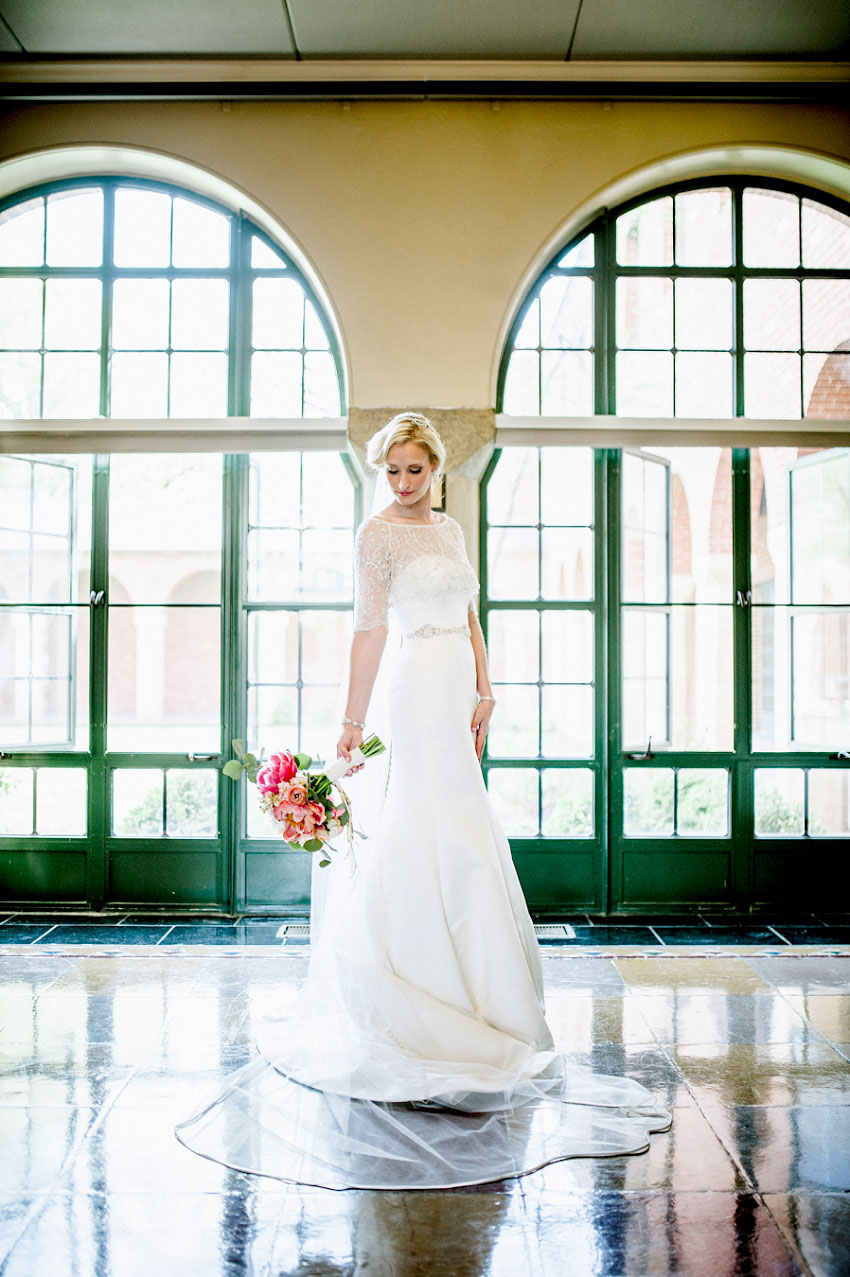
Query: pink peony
<point x="317" y="812"/>
<point x="280" y="768"/>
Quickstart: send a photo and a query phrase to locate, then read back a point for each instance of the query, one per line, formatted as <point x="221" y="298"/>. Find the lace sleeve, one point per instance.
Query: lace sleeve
<point x="460" y="540"/>
<point x="371" y="575"/>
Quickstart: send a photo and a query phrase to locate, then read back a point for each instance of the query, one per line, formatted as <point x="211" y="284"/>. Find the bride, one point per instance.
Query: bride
<point x="417" y="1055"/>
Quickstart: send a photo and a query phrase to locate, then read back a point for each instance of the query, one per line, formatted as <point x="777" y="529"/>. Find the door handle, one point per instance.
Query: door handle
<point x="96" y="597"/>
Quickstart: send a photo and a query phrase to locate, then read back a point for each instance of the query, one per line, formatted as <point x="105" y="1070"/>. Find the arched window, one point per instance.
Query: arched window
<point x="131" y="298"/>
<point x="710" y="300"/>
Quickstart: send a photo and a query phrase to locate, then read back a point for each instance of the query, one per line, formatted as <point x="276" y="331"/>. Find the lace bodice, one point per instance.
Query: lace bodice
<point x="419" y="573"/>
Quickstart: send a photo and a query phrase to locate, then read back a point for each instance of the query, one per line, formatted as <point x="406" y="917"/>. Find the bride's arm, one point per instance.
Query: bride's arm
<point x="481" y="718"/>
<point x="367" y="647"/>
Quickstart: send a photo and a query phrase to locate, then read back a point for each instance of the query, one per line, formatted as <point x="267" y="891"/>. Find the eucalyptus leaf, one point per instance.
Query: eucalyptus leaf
<point x="239" y="747"/>
<point x="314" y="844"/>
<point x="322" y="863"/>
<point x="249" y="759"/>
<point x="302" y="761"/>
<point x="233" y="769"/>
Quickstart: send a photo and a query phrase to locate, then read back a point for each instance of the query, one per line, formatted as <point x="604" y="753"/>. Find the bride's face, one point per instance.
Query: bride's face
<point x="410" y="471"/>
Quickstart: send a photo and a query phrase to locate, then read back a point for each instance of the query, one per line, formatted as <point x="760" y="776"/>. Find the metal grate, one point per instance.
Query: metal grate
<point x="293" y="929"/>
<point x="554" y="931"/>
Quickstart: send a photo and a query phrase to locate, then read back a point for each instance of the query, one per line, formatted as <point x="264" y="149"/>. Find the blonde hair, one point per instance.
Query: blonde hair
<point x="406" y="427"/>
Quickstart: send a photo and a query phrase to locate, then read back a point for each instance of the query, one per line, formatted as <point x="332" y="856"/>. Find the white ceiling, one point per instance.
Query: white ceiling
<point x="438" y="29"/>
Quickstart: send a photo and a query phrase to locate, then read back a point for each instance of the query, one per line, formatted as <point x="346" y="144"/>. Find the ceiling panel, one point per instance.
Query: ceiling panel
<point x="724" y="28"/>
<point x="150" y="26"/>
<point x="433" y="28"/>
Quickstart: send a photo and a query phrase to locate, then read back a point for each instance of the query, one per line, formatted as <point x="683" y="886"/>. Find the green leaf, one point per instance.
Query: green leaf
<point x="302" y="761"/>
<point x="233" y="769"/>
<point x="249" y="760"/>
<point x="239" y="747"/>
<point x="322" y="863"/>
<point x="343" y="817"/>
<point x="313" y="844"/>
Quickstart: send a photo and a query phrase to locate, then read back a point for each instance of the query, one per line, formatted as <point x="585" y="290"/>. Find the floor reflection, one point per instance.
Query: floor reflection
<point x="99" y="1055"/>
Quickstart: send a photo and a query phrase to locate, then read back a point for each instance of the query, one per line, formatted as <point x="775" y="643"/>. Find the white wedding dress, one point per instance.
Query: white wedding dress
<point x="417" y="1055"/>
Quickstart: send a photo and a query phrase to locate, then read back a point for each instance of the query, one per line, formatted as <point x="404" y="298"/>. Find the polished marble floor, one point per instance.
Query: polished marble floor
<point x="103" y="1049"/>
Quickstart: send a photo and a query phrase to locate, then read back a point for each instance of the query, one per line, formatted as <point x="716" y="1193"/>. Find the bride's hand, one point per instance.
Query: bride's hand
<point x="350" y="738"/>
<point x="480" y="726"/>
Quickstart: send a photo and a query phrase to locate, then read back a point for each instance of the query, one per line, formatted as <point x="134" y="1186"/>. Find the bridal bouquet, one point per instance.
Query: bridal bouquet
<point x="299" y="799"/>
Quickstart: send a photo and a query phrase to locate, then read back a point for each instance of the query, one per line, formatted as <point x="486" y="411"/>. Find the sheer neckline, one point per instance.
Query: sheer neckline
<point x="396" y="523"/>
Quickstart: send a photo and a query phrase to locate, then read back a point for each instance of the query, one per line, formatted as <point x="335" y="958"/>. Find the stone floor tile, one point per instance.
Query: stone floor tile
<point x="593" y="977"/>
<point x="141" y="974"/>
<point x="828" y="1013"/>
<point x="136" y="1235"/>
<point x="32" y="972"/>
<point x="689" y="1157"/>
<point x="650" y="1065"/>
<point x="805" y="973"/>
<point x="817" y="1226"/>
<point x="582" y="1022"/>
<point x="772" y="1074"/>
<point x="36" y="1144"/>
<point x="103" y="935"/>
<point x="729" y="975"/>
<point x="690" y="1016"/>
<point x="86" y="1075"/>
<point x="783" y="1149"/>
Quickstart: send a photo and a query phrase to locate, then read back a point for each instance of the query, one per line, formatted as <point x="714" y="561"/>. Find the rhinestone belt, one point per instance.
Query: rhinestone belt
<point x="431" y="631"/>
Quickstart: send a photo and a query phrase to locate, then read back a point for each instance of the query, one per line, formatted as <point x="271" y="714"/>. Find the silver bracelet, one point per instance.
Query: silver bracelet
<point x="486" y="698"/>
<point x="352" y="723"/>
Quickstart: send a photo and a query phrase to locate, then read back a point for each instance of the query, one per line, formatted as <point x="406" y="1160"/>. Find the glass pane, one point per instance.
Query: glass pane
<point x="45" y="517"/>
<point x="826" y="314"/>
<point x="44" y="672"/>
<point x="820" y="528"/>
<point x="71" y="385"/>
<point x="772" y="386"/>
<point x="826" y="237"/>
<point x="703" y="385"/>
<point x="566" y="312"/>
<point x="528" y="333"/>
<point x="165" y="527"/>
<point x="645" y="664"/>
<point x="581" y="254"/>
<point x="15" y="801"/>
<point x="20" y="386"/>
<point x="567" y="794"/>
<point x="513" y="563"/>
<point x="566" y="381"/>
<point x="566" y="486"/>
<point x="779" y="800"/>
<point x="199" y="314"/>
<point x="264" y="256"/>
<point x="829" y="801"/>
<point x="276" y="387"/>
<point x="319" y="723"/>
<point x="645" y="313"/>
<point x="138" y="385"/>
<point x="567" y="718"/>
<point x="704" y="227"/>
<point x="325" y="565"/>
<point x="771" y="314"/>
<point x="328" y="495"/>
<point x="142" y="228"/>
<point x="704" y="314"/>
<point x="514" y="793"/>
<point x="22" y="234"/>
<point x="645" y="234"/>
<point x="820" y="660"/>
<point x="273" y="473"/>
<point x="771" y="228"/>
<point x="514" y="731"/>
<point x="321" y="385"/>
<point x="278" y="314"/>
<point x="61" y="798"/>
<point x="513" y="645"/>
<point x="198" y="385"/>
<point x="315" y="336"/>
<point x="826" y="386"/>
<point x="140" y="314"/>
<point x="273" y="718"/>
<point x="273" y="647"/>
<point x="137" y="803"/>
<point x="20" y="313"/>
<point x="770" y="488"/>
<point x="324" y="643"/>
<point x="647" y="802"/>
<point x="191" y="803"/>
<point x="201" y="236"/>
<point x="645" y="384"/>
<point x="703" y="802"/>
<point x="273" y="564"/>
<point x="522" y="384"/>
<point x="566" y="563"/>
<point x="567" y="646"/>
<point x="645" y="527"/>
<point x="164" y="679"/>
<point x="512" y="490"/>
<point x="75" y="228"/>
<point x="72" y="314"/>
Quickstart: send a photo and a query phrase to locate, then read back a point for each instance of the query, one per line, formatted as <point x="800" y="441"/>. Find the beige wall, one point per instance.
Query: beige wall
<point x="425" y="220"/>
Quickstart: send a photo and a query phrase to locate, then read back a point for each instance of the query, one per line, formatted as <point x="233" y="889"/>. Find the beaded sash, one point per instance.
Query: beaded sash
<point x="431" y="631"/>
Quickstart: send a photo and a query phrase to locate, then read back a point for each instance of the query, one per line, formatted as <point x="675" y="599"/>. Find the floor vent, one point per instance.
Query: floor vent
<point x="554" y="931"/>
<point x="293" y="929"/>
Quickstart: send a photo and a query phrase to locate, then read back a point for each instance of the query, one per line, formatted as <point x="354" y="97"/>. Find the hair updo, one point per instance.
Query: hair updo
<point x="406" y="427"/>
